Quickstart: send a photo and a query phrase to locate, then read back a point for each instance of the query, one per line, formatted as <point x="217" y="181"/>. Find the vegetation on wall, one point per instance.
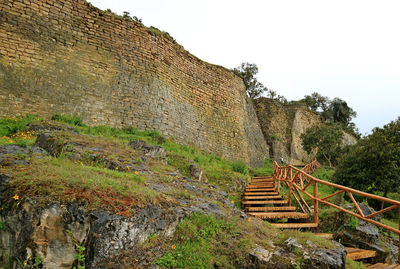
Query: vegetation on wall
<point x="254" y="89"/>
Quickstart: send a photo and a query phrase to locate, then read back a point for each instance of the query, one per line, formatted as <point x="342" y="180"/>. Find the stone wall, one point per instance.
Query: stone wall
<point x="282" y="126"/>
<point x="70" y="57"/>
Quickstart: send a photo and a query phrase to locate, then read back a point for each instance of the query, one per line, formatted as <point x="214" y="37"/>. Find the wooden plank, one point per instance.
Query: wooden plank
<point x="261" y="189"/>
<point x="359" y="254"/>
<point x="271" y="208"/>
<point x="247" y="197"/>
<point x="264" y="202"/>
<point x="261" y="193"/>
<point x="294" y="225"/>
<point x="324" y="235"/>
<point x="260" y="186"/>
<point x="279" y="215"/>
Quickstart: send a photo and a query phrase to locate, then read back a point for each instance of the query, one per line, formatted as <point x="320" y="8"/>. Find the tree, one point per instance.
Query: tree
<point x="335" y="110"/>
<point x="316" y="102"/>
<point x="340" y="112"/>
<point x="247" y="72"/>
<point x="373" y="164"/>
<point x="325" y="140"/>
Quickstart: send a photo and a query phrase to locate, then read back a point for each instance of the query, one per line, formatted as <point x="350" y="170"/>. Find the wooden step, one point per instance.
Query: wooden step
<point x="382" y="266"/>
<point x="294" y="225"/>
<point x="253" y="197"/>
<point x="325" y="235"/>
<point x="279" y="215"/>
<point x="358" y="254"/>
<point x="265" y="202"/>
<point x="261" y="193"/>
<point x="261" y="189"/>
<point x="262" y="178"/>
<point x="271" y="208"/>
<point x="260" y="186"/>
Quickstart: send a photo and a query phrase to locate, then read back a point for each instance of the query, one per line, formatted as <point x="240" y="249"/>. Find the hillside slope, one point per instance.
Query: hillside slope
<point x="101" y="197"/>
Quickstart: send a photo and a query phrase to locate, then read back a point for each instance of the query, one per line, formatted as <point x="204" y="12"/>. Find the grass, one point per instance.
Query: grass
<point x="14" y="131"/>
<point x="204" y="241"/>
<point x="350" y="264"/>
<point x="267" y="170"/>
<point x="70" y="119"/>
<point x="303" y="237"/>
<point x="59" y="179"/>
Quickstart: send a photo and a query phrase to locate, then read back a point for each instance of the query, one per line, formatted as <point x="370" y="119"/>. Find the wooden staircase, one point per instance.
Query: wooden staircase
<point x="262" y="200"/>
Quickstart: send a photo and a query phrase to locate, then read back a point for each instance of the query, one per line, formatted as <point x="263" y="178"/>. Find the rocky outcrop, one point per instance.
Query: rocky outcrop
<point x="312" y="256"/>
<point x="367" y="236"/>
<point x="283" y="125"/>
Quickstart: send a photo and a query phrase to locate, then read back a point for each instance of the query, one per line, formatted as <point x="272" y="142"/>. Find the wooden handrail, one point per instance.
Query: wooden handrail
<point x="285" y="174"/>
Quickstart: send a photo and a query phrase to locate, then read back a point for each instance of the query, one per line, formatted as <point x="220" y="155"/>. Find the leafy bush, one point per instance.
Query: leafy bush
<point x="240" y="167"/>
<point x="70" y="119"/>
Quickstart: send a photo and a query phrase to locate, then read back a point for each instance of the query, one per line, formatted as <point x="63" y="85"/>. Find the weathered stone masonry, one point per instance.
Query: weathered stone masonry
<point x="70" y="57"/>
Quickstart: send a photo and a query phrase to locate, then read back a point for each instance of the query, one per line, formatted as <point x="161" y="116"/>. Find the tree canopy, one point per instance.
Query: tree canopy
<point x="373" y="164"/>
<point x="254" y="89"/>
<point x="325" y="140"/>
<point x="336" y="110"/>
<point x="248" y="73"/>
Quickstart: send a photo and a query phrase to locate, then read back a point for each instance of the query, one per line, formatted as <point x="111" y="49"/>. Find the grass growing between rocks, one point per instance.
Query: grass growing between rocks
<point x="204" y="241"/>
<point x="59" y="179"/>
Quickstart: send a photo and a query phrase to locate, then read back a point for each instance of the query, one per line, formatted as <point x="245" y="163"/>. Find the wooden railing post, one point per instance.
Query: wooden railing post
<point x="316" y="218"/>
<point x="398" y="257"/>
<point x="290" y="186"/>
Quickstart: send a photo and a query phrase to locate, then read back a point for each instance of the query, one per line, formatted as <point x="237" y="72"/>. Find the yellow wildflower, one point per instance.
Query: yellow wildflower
<point x="136" y="173"/>
<point x="249" y="219"/>
<point x="173" y="247"/>
<point x="16" y="197"/>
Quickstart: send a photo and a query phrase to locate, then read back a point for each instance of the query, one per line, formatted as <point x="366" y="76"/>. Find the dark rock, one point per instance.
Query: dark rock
<point x="148" y="150"/>
<point x="137" y="144"/>
<point x="260" y="256"/>
<point x="196" y="173"/>
<point x="202" y="206"/>
<point x="158" y="187"/>
<point x="4" y="183"/>
<point x="160" y="140"/>
<point x="13" y="155"/>
<point x="38" y="151"/>
<point x="291" y="244"/>
<point x="367" y="210"/>
<point x="50" y="143"/>
<point x="192" y="188"/>
<point x="327" y="258"/>
<point x="110" y="234"/>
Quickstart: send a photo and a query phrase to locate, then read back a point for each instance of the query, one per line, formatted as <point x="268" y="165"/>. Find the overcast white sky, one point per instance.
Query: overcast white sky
<point x="344" y="48"/>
